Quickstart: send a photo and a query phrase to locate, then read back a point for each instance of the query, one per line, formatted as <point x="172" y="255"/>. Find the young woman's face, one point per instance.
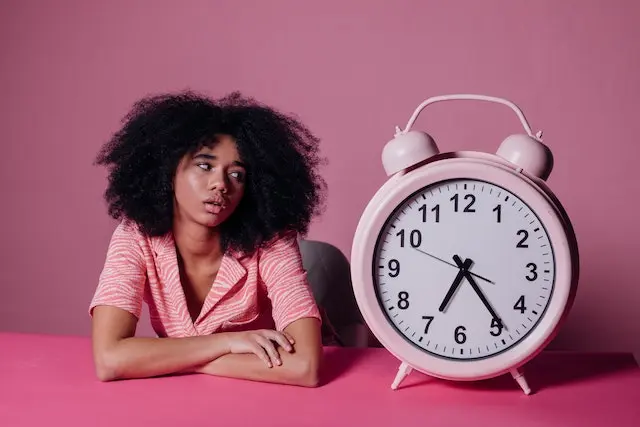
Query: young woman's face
<point x="209" y="184"/>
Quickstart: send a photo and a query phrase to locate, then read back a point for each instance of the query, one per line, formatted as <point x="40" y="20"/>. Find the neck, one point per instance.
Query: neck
<point x="196" y="242"/>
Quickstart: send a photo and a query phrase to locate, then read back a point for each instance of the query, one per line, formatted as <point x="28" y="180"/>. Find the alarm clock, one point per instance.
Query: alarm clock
<point x="464" y="264"/>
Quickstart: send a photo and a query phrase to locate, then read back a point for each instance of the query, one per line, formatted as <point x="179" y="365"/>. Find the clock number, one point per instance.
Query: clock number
<point x="415" y="238"/>
<point x="459" y="335"/>
<point x="496" y="324"/>
<point x="429" y="319"/>
<point x="520" y="305"/>
<point x="467" y="208"/>
<point x="403" y="300"/>
<point x="394" y="266"/>
<point x="423" y="209"/>
<point x="498" y="211"/>
<point x="533" y="270"/>
<point x="521" y="243"/>
<point x="435" y="209"/>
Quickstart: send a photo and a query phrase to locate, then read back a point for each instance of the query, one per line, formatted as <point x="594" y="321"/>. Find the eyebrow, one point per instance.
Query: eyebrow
<point x="212" y="157"/>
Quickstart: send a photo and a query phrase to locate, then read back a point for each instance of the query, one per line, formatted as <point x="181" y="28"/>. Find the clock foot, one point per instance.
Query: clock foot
<point x="403" y="371"/>
<point x="521" y="380"/>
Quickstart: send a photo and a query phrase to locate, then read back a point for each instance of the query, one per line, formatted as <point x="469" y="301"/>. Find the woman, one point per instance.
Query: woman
<point x="210" y="196"/>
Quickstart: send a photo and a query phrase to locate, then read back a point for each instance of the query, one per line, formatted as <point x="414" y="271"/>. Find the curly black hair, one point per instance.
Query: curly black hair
<point x="283" y="189"/>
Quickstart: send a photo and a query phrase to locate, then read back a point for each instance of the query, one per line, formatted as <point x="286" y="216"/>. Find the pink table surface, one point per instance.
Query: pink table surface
<point x="49" y="380"/>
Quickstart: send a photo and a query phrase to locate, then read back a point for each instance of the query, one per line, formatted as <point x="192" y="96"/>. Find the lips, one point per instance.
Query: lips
<point x="214" y="205"/>
<point x="213" y="208"/>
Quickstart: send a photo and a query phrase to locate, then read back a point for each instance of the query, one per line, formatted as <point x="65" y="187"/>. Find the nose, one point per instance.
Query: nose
<point x="219" y="181"/>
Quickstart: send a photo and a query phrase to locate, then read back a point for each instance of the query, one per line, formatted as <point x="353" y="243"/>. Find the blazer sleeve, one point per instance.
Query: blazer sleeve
<point x="123" y="277"/>
<point x="286" y="282"/>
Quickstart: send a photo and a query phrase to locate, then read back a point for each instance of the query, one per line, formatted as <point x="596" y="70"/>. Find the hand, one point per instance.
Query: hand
<point x="476" y="288"/>
<point x="456" y="283"/>
<point x="261" y="343"/>
<point x="453" y="265"/>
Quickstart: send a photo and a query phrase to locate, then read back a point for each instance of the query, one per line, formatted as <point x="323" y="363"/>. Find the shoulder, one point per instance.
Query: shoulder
<point x="280" y="257"/>
<point x="128" y="230"/>
<point x="285" y="243"/>
<point x="128" y="236"/>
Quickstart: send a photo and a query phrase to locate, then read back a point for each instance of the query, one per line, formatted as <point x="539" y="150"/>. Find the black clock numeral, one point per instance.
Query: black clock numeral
<point x="533" y="270"/>
<point x="435" y="209"/>
<point x="496" y="324"/>
<point x="520" y="305"/>
<point x="403" y="300"/>
<point x="459" y="335"/>
<point x="394" y="267"/>
<point x="454" y="199"/>
<point x="498" y="211"/>
<point x="467" y="208"/>
<point x="521" y="243"/>
<point x="415" y="238"/>
<point x="429" y="319"/>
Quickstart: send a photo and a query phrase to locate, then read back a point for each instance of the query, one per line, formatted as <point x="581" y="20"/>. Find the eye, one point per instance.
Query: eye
<point x="238" y="175"/>
<point x="204" y="166"/>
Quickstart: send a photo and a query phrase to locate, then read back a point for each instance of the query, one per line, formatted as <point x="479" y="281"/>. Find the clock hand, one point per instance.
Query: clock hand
<point x="477" y="290"/>
<point x="456" y="283"/>
<point x="453" y="265"/>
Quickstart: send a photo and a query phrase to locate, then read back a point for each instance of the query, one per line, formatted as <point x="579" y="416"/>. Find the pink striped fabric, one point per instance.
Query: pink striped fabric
<point x="266" y="290"/>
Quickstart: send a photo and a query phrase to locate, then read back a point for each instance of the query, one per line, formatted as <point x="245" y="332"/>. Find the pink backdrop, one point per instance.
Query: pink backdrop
<point x="352" y="71"/>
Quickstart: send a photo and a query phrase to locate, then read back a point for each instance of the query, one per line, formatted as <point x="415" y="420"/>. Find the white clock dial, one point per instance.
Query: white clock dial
<point x="476" y="232"/>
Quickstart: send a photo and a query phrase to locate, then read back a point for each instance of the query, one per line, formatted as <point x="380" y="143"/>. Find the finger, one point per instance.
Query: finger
<point x="282" y="339"/>
<point x="270" y="349"/>
<point x="289" y="337"/>
<point x="259" y="351"/>
<point x="278" y="337"/>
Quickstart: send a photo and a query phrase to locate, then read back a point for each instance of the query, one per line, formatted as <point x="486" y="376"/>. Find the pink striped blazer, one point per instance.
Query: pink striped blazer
<point x="268" y="289"/>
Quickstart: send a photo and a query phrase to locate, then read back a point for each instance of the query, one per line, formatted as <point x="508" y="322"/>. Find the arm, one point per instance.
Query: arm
<point x="118" y="354"/>
<point x="299" y="367"/>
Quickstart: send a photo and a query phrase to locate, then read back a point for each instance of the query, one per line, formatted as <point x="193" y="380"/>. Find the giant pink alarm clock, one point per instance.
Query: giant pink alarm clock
<point x="464" y="264"/>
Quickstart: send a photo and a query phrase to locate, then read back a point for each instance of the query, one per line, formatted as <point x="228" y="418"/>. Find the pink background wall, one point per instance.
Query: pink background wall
<point x="352" y="71"/>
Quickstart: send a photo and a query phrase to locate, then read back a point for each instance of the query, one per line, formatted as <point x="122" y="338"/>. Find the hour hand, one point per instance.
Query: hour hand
<point x="456" y="283"/>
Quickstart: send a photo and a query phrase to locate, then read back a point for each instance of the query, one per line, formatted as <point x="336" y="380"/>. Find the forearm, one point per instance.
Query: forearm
<point x="296" y="369"/>
<point x="146" y="357"/>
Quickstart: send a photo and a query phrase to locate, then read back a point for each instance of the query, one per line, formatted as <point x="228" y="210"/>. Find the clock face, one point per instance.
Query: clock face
<point x="464" y="269"/>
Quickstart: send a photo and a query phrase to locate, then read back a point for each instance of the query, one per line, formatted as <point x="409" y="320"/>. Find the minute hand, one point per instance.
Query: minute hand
<point x="484" y="300"/>
<point x="453" y="265"/>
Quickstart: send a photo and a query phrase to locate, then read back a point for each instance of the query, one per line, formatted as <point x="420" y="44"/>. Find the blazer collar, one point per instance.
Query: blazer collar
<point x="231" y="272"/>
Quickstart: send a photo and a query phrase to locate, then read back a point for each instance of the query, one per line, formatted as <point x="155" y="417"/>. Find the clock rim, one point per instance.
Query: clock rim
<point x="549" y="214"/>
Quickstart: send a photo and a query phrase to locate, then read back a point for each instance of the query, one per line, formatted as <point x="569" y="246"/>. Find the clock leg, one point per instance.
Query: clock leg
<point x="521" y="380"/>
<point x="403" y="371"/>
